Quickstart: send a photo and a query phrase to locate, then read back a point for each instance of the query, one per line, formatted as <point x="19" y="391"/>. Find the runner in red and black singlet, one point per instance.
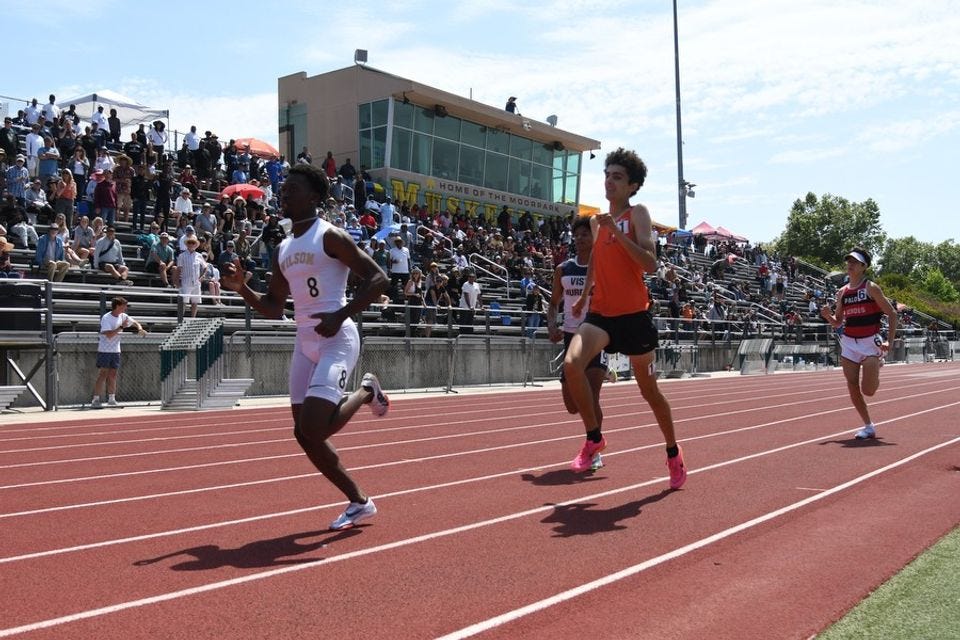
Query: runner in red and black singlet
<point x="860" y="307"/>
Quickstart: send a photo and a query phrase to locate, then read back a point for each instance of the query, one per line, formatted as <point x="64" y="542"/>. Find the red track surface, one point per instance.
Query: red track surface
<point x="213" y="525"/>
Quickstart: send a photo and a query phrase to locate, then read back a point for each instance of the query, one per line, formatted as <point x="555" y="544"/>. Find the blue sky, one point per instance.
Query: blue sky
<point x="859" y="99"/>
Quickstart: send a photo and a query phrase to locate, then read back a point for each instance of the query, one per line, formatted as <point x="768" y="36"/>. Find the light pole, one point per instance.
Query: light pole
<point x="683" y="187"/>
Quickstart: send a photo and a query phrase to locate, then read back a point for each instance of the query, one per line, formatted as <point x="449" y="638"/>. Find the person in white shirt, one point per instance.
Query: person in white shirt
<point x="50" y="110"/>
<point x="386" y="214"/>
<point x="399" y="266"/>
<point x="469" y="301"/>
<point x="157" y="138"/>
<point x="104" y="161"/>
<point x="191" y="266"/>
<point x="112" y="325"/>
<point x="183" y="206"/>
<point x="99" y="119"/>
<point x="460" y="261"/>
<point x="32" y="113"/>
<point x="34" y="142"/>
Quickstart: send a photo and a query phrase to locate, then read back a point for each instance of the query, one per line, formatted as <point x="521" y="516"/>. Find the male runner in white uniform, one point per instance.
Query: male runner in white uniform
<point x="313" y="266"/>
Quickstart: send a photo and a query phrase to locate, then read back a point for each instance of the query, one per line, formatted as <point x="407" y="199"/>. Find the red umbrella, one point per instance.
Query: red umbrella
<point x="243" y="190"/>
<point x="258" y="147"/>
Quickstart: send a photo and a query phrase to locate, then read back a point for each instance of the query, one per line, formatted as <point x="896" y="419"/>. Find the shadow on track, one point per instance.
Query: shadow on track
<point x="854" y="443"/>
<point x="559" y="477"/>
<point x="254" y="555"/>
<point x="581" y="519"/>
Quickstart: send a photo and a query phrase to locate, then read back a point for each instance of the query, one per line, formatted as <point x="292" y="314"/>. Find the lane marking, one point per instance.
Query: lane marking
<point x="574" y="420"/>
<point x="593" y="585"/>
<point x="446" y="455"/>
<point x="453" y="483"/>
<point x="528" y="609"/>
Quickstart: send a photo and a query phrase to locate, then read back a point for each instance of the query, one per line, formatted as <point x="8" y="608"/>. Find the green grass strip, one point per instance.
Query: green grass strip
<point x="920" y="602"/>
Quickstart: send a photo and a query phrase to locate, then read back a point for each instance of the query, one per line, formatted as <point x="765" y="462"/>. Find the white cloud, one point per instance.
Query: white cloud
<point x="807" y="156"/>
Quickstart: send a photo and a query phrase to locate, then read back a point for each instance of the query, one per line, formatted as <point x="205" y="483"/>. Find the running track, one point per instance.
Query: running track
<point x="213" y="525"/>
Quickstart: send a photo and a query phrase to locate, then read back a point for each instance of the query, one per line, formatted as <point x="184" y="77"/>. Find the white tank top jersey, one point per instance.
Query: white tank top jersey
<point x="317" y="282"/>
<point x="572" y="278"/>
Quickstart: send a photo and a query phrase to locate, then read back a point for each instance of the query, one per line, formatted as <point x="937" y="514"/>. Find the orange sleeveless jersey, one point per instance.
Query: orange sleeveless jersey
<point x="618" y="286"/>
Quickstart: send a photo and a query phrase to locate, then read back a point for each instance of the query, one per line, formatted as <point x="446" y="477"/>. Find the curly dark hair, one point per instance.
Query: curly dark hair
<point x="315" y="177"/>
<point x="629" y="160"/>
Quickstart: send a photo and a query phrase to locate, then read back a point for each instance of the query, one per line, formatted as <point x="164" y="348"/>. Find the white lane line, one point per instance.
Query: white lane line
<point x="453" y="483"/>
<point x="523" y="611"/>
<point x="814" y="489"/>
<point x="593" y="585"/>
<point x="805" y="416"/>
<point x="818" y="399"/>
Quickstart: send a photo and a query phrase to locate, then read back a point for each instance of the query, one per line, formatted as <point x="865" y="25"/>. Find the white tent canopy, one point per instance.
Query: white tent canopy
<point x="129" y="111"/>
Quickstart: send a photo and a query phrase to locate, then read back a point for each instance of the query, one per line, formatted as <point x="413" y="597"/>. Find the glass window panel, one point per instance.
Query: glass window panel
<point x="540" y="183"/>
<point x="570" y="188"/>
<point x="423" y="120"/>
<point x="520" y="147"/>
<point x="365" y="148"/>
<point x="380" y="108"/>
<point x="518" y="180"/>
<point x="403" y="115"/>
<point x="422" y="154"/>
<point x="558" y="186"/>
<point x="448" y="128"/>
<point x="400" y="153"/>
<point x="471" y="133"/>
<point x="471" y="165"/>
<point x="543" y="154"/>
<point x="365" y="116"/>
<point x="573" y="161"/>
<point x="497" y="141"/>
<point x="445" y="159"/>
<point x="379" y="147"/>
<point x="495" y="172"/>
<point x="559" y="159"/>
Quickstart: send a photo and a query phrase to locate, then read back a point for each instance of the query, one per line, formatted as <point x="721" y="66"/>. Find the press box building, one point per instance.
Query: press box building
<point x="431" y="147"/>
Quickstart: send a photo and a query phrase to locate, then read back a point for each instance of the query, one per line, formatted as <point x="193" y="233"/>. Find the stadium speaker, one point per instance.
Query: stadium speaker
<point x="440" y="110"/>
<point x="552" y="121"/>
<point x="558" y="146"/>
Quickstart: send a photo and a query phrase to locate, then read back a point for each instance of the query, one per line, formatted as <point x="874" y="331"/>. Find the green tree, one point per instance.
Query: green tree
<point x="825" y="228"/>
<point x="946" y="257"/>
<point x="906" y="256"/>
<point x="937" y="285"/>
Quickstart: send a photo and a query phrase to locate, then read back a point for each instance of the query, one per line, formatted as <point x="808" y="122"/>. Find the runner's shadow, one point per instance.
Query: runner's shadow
<point x="854" y="443"/>
<point x="580" y="519"/>
<point x="253" y="555"/>
<point x="559" y="477"/>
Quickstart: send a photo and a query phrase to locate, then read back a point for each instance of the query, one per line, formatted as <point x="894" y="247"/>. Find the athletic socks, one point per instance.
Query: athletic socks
<point x="111" y="398"/>
<point x="673" y="452"/>
<point x="594" y="435"/>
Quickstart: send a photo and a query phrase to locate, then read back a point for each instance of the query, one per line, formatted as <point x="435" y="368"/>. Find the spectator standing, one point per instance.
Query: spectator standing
<point x="304" y="157"/>
<point x="9" y="141"/>
<point x="32" y="113"/>
<point x="134" y="150"/>
<point x="65" y="194"/>
<point x="330" y="166"/>
<point x="163" y="187"/>
<point x="190" y="267"/>
<point x="157" y="139"/>
<point x="399" y="267"/>
<point x="33" y="142"/>
<point x="413" y="295"/>
<point x="113" y="127"/>
<point x="112" y="325"/>
<point x="99" y="119"/>
<point x="17" y="179"/>
<point x="470" y="300"/>
<point x="139" y="195"/>
<point x="105" y="198"/>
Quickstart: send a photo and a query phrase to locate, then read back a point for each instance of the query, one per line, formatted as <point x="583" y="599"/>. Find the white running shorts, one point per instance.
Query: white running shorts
<point x="859" y="349"/>
<point x="190" y="293"/>
<point x="321" y="367"/>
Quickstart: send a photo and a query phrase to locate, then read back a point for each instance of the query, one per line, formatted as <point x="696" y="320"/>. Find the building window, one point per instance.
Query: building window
<point x="402" y="146"/>
<point x="497" y="141"/>
<point x="422" y="154"/>
<point x="423" y="120"/>
<point x="403" y="115"/>
<point x="471" y="165"/>
<point x="495" y="172"/>
<point x="448" y="127"/>
<point x="518" y="180"/>
<point x="379" y="147"/>
<point x="473" y="134"/>
<point x="364" y="116"/>
<point x="380" y="108"/>
<point x="445" y="159"/>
